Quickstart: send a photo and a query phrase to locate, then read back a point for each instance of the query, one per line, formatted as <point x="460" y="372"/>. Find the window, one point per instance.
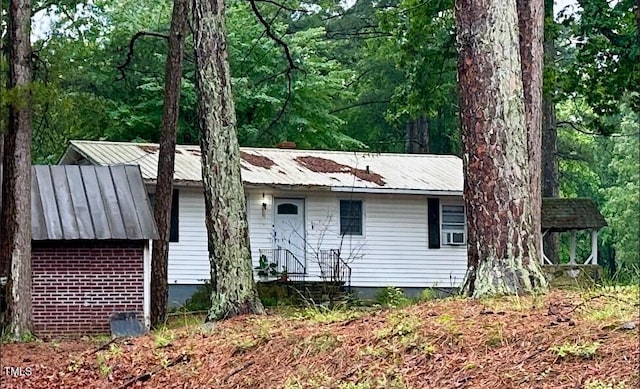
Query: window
<point x="173" y="232"/>
<point x="350" y="217"/>
<point x="453" y="225"/>
<point x="287" y="209"/>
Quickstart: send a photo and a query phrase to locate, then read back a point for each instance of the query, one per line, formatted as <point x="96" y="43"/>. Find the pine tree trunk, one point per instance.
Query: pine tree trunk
<point x="550" y="181"/>
<point x="16" y="186"/>
<point x="417" y="136"/>
<point x="550" y="184"/>
<point x="531" y="27"/>
<point x="166" y="161"/>
<point x="500" y="216"/>
<point x="234" y="290"/>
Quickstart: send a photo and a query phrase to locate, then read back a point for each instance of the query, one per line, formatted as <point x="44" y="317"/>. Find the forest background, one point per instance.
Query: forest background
<point x="377" y="76"/>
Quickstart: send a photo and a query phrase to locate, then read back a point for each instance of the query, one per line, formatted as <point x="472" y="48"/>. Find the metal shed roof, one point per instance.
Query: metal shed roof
<point x="565" y="214"/>
<point x="329" y="170"/>
<point x="90" y="202"/>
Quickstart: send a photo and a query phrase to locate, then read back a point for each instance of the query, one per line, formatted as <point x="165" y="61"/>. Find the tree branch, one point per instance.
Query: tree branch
<point x="292" y="66"/>
<point x="358" y="34"/>
<point x="256" y="41"/>
<point x="282" y="6"/>
<point x="576" y="128"/>
<point x="271" y="35"/>
<point x="132" y="43"/>
<point x="360" y="104"/>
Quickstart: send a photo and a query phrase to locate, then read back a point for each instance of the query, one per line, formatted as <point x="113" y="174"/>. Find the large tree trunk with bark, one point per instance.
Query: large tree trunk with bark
<point x="550" y="181"/>
<point x="531" y="27"/>
<point x="16" y="186"/>
<point x="166" y="161"/>
<point x="417" y="136"/>
<point x="502" y="247"/>
<point x="234" y="290"/>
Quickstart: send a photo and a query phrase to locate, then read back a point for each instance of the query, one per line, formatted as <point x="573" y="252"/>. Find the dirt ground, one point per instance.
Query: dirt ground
<point x="583" y="339"/>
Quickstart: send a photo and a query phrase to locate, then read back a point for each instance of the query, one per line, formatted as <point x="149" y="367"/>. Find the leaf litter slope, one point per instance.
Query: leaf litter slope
<point x="561" y="340"/>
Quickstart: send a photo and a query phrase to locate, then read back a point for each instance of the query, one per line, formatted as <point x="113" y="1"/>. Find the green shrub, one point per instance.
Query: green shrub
<point x="200" y="300"/>
<point x="428" y="294"/>
<point x="392" y="297"/>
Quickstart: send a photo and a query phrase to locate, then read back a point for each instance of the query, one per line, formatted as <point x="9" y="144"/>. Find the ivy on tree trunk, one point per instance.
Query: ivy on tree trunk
<point x="502" y="230"/>
<point x="232" y="281"/>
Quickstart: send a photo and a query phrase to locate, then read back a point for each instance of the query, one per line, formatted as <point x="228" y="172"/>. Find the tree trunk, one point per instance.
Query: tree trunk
<point x="500" y="216"/>
<point x="16" y="185"/>
<point x="231" y="270"/>
<point x="531" y="27"/>
<point x="418" y="136"/>
<point x="550" y="182"/>
<point x="166" y="160"/>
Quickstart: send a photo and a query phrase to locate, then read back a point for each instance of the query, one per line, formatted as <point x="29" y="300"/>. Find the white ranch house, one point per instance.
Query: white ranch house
<point x="392" y="219"/>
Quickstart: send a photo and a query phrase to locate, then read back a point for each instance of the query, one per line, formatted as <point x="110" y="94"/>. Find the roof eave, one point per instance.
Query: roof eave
<point x="68" y="158"/>
<point x="318" y="188"/>
<point x="382" y="190"/>
<point x="176" y="183"/>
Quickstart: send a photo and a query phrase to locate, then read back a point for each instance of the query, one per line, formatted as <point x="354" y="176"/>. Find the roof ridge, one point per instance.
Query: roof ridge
<point x="273" y="149"/>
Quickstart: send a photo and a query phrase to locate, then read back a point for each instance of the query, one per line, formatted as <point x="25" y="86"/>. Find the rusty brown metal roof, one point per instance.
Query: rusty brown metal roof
<point x="70" y="202"/>
<point x="291" y="168"/>
<point x="565" y="214"/>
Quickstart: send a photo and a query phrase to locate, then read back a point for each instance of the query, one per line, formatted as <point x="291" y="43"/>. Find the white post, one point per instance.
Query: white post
<point x="543" y="257"/>
<point x="572" y="248"/>
<point x="542" y="260"/>
<point x="146" y="289"/>
<point x="594" y="247"/>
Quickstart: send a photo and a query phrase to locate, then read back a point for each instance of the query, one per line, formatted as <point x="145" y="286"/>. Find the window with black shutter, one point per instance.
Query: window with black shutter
<point x="350" y="217"/>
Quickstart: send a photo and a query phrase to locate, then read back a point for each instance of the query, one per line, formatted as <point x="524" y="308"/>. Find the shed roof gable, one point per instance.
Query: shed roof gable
<point x="71" y="202"/>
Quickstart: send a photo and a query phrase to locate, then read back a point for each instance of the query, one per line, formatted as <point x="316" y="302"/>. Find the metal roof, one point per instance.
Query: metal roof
<point x="90" y="202"/>
<point x="290" y="168"/>
<point x="565" y="214"/>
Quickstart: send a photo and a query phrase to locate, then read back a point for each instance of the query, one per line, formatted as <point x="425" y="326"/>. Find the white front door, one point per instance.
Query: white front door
<point x="288" y="227"/>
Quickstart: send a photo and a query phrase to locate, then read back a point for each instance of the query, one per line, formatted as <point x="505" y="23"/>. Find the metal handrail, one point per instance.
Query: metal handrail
<point x="285" y="262"/>
<point x="333" y="268"/>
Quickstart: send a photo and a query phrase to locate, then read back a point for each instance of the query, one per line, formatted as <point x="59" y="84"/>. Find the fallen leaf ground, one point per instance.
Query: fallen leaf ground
<point x="561" y="340"/>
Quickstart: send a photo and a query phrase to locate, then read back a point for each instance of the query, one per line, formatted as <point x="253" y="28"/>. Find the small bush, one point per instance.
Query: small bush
<point x="392" y="297"/>
<point x="428" y="294"/>
<point x="324" y="314"/>
<point x="163" y="337"/>
<point x="200" y="300"/>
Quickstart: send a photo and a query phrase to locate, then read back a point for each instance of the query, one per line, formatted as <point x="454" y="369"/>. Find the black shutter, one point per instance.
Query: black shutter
<point x="434" y="223"/>
<point x="175" y="211"/>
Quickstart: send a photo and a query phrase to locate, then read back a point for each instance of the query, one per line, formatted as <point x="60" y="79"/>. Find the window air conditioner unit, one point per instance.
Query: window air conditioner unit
<point x="454" y="238"/>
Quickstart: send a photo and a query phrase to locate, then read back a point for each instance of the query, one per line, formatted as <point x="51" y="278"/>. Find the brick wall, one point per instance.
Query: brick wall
<point x="78" y="285"/>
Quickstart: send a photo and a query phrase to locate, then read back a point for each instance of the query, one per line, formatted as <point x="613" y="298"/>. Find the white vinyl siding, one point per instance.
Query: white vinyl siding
<point x="189" y="257"/>
<point x="394" y="250"/>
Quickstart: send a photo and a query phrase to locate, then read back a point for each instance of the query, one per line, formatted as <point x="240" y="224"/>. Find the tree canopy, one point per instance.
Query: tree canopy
<point x="325" y="75"/>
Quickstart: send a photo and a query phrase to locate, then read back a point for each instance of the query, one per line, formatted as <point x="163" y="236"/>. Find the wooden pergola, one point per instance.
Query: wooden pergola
<point x="571" y="215"/>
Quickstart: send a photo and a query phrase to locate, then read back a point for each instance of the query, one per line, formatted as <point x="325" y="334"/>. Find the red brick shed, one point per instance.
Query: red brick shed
<point x="92" y="229"/>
